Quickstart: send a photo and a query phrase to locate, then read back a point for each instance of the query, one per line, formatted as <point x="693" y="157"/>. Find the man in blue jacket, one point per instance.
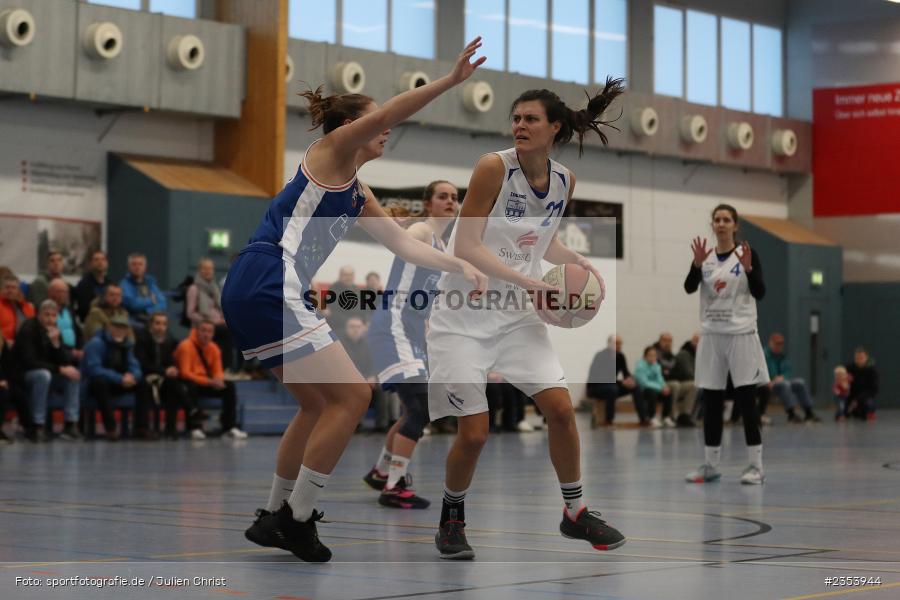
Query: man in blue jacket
<point x="789" y="389"/>
<point x="140" y="294"/>
<point x="111" y="370"/>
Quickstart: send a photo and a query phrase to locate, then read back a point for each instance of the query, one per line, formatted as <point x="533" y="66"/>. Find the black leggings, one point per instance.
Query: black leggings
<point x="414" y="395"/>
<point x="714" y="404"/>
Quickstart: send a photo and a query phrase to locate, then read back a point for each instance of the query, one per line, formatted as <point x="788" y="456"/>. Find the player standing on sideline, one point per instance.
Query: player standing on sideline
<point x="265" y="304"/>
<point x="507" y="225"/>
<point x="397" y="340"/>
<point x="732" y="282"/>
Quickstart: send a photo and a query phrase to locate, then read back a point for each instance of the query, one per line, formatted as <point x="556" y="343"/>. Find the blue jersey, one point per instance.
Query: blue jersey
<point x="308" y="218"/>
<point x="263" y="296"/>
<point x="397" y="330"/>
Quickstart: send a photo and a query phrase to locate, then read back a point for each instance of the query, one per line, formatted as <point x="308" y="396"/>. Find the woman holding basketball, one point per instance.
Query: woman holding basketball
<point x="508" y="223"/>
<point x="396" y="339"/>
<point x="272" y="318"/>
<point x="730" y="280"/>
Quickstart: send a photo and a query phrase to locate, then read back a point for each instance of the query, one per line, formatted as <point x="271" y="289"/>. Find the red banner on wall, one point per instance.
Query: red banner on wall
<point x="856" y="150"/>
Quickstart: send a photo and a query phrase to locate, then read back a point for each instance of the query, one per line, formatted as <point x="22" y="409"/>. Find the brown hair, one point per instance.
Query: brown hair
<point x="428" y="193"/>
<point x="576" y="121"/>
<point x="398" y="211"/>
<point x="331" y="111"/>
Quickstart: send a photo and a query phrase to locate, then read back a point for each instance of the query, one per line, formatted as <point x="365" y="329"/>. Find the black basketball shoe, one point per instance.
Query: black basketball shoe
<point x="280" y="530"/>
<point x="590" y="527"/>
<point x="374" y="480"/>
<point x="257" y="534"/>
<point x="451" y="541"/>
<point x="402" y="496"/>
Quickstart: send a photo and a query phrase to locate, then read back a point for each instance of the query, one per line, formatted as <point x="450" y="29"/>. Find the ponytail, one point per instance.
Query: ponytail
<point x="577" y="121"/>
<point x="330" y="112"/>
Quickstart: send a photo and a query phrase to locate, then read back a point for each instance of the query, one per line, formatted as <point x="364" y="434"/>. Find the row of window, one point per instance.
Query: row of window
<point x="717" y="61"/>
<point x="176" y="8"/>
<point x="516" y="40"/>
<point x="698" y="56"/>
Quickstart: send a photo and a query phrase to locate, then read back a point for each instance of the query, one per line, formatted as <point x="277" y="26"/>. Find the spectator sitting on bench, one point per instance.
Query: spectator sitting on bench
<point x="789" y="389"/>
<point x="140" y="295"/>
<point x="14" y="310"/>
<point x="38" y="291"/>
<point x="105" y="308"/>
<point x="610" y="379"/>
<point x="863" y="386"/>
<point x="92" y="284"/>
<point x="69" y="329"/>
<point x="155" y="351"/>
<point x="47" y="366"/>
<point x="199" y="362"/>
<point x="112" y="370"/>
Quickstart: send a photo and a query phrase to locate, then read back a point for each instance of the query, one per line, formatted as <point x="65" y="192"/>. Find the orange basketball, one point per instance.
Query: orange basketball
<point x="579" y="298"/>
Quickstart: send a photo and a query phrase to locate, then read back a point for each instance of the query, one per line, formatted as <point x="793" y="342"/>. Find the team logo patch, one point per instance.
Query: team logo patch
<point x="359" y="196"/>
<point x="339" y="228"/>
<point x="515" y="207"/>
<point x="719" y="285"/>
<point x="527" y="239"/>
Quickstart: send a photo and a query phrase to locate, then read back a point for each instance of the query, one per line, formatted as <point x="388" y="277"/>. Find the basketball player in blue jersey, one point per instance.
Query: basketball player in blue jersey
<point x="397" y="341"/>
<point x="507" y="225"/>
<point x="265" y="299"/>
<point x="730" y="283"/>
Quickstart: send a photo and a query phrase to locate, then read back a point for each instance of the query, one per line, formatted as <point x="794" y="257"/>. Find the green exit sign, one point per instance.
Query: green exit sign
<point x="816" y="278"/>
<point x="219" y="239"/>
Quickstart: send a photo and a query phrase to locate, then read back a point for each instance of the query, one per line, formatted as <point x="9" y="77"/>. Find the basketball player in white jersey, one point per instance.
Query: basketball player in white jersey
<point x="508" y="223"/>
<point x="270" y="315"/>
<point x="730" y="280"/>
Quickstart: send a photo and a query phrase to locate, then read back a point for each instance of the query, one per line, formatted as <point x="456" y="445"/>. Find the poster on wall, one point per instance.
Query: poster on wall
<point x="856" y="141"/>
<point x="26" y="240"/>
<point x="591" y="227"/>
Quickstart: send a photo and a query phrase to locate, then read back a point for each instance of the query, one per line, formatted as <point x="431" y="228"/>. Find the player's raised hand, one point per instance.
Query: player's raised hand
<point x="463" y="69"/>
<point x="700" y="252"/>
<point x="746" y="257"/>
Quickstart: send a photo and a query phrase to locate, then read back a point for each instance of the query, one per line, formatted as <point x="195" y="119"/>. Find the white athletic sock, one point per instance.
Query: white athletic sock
<point x="573" y="496"/>
<point x="713" y="455"/>
<point x="384" y="462"/>
<point x="281" y="491"/>
<point x="755" y="455"/>
<point x="306" y="492"/>
<point x="397" y="470"/>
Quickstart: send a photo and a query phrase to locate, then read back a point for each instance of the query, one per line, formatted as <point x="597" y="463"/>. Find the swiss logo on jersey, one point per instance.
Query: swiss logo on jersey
<point x="527" y="239"/>
<point x="719" y="285"/>
<point x="515" y="206"/>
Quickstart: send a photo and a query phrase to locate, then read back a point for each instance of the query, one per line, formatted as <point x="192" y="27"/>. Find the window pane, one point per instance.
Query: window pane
<point x="176" y="8"/>
<point x="528" y="37"/>
<point x="131" y="4"/>
<point x="668" y="51"/>
<point x="702" y="58"/>
<point x="767" y="65"/>
<point x="312" y="20"/>
<point x="412" y="27"/>
<point x="487" y="18"/>
<point x="735" y="64"/>
<point x="610" y="39"/>
<point x="365" y="24"/>
<point x="570" y="40"/>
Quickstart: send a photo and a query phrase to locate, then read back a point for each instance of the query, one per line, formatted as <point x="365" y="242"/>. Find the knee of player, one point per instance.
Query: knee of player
<point x="472" y="438"/>
<point x="560" y="416"/>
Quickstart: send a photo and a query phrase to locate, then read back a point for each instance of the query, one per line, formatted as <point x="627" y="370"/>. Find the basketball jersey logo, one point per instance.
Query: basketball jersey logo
<point x="527" y="239"/>
<point x="719" y="285"/>
<point x="515" y="207"/>
<point x="339" y="228"/>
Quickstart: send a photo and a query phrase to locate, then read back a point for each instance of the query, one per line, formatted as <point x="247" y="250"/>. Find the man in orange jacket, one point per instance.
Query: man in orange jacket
<point x="199" y="363"/>
<point x="14" y="310"/>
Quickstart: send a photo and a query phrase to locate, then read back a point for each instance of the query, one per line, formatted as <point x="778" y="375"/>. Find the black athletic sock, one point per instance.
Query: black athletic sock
<point x="714" y="404"/>
<point x="746" y="397"/>
<point x="453" y="507"/>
